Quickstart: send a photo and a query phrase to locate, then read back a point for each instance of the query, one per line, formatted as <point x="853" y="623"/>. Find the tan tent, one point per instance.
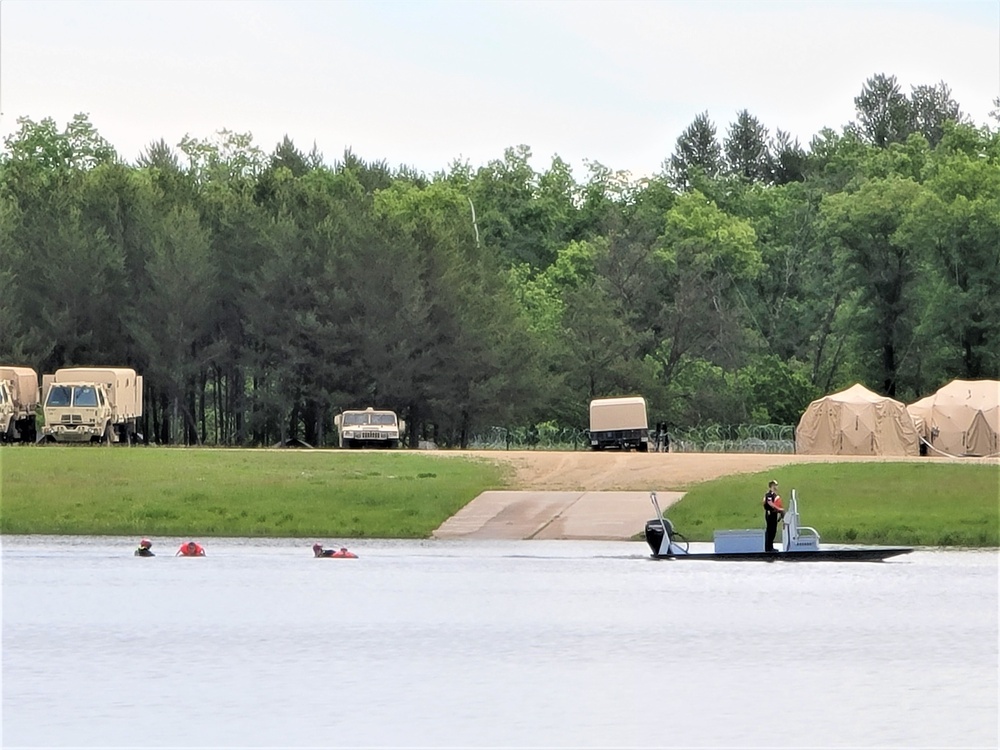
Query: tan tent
<point x="921" y="414"/>
<point x="962" y="418"/>
<point x="856" y="422"/>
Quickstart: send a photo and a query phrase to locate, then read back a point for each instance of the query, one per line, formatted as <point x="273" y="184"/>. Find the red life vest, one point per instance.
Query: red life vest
<point x="186" y="550"/>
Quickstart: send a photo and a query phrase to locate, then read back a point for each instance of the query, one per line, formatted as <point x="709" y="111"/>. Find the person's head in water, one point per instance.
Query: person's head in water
<point x="192" y="547"/>
<point x="145" y="544"/>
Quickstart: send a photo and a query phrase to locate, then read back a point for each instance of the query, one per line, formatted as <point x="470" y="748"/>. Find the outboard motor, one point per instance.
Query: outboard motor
<point x="654" y="533"/>
<point x="660" y="534"/>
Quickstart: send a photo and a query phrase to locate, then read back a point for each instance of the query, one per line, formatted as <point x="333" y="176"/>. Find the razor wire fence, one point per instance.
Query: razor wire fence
<point x="767" y="438"/>
<point x="543" y="437"/>
<point x="764" y="438"/>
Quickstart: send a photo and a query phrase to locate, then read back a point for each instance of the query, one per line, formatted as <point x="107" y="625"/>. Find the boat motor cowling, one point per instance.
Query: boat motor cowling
<point x="659" y="542"/>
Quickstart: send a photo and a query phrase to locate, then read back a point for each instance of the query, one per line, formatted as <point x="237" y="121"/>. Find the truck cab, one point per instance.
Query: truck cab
<point x="371" y="428"/>
<point x="6" y="412"/>
<point x="18" y="403"/>
<point x="76" y="413"/>
<point x="92" y="404"/>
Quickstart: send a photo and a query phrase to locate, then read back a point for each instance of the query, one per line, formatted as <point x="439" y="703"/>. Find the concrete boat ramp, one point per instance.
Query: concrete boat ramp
<point x="554" y="515"/>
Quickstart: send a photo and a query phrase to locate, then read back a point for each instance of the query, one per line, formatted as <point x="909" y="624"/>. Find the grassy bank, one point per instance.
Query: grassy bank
<point x="178" y="492"/>
<point x="859" y="503"/>
<point x="406" y="494"/>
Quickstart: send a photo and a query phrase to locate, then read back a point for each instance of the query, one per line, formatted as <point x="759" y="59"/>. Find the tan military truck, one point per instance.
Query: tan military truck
<point x="18" y="401"/>
<point x="619" y="423"/>
<point x="91" y="404"/>
<point x="371" y="428"/>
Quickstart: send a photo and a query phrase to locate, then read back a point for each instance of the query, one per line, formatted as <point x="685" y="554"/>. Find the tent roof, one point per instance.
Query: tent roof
<point x="857" y="394"/>
<point x="983" y="394"/>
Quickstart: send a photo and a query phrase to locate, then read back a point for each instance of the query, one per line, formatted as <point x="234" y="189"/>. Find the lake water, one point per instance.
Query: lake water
<point x="491" y="644"/>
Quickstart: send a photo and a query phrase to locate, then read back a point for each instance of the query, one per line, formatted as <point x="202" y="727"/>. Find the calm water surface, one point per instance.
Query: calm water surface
<point x="491" y="644"/>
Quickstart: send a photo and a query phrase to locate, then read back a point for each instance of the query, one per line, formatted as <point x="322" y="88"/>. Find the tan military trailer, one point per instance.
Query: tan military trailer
<point x="619" y="423"/>
<point x="91" y="404"/>
<point x="18" y="401"/>
<point x="371" y="428"/>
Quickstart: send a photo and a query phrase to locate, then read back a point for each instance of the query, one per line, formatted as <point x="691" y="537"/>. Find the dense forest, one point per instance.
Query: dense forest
<point x="260" y="294"/>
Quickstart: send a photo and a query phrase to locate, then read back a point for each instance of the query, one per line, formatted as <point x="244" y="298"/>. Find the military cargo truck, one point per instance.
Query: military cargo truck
<point x="619" y="423"/>
<point x="91" y="404"/>
<point x="372" y="428"/>
<point x="18" y="401"/>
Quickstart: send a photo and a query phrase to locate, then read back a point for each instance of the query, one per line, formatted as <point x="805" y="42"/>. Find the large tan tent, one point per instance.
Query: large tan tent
<point x="962" y="418"/>
<point x="857" y="422"/>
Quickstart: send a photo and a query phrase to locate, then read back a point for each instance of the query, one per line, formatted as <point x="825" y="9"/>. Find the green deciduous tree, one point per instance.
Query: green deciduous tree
<point x="879" y="264"/>
<point x="705" y="254"/>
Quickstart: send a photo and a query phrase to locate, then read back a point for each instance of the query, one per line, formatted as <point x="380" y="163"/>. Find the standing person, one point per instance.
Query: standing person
<point x="143" y="550"/>
<point x="191" y="549"/>
<point x="773" y="511"/>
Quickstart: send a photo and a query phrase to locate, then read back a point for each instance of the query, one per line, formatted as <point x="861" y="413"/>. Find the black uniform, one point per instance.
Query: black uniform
<point x="144" y="552"/>
<point x="771" y="517"/>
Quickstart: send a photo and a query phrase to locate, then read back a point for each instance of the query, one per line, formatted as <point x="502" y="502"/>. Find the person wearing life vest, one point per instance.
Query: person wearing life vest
<point x="318" y="551"/>
<point x="191" y="549"/>
<point x="773" y="512"/>
<point x="143" y="550"/>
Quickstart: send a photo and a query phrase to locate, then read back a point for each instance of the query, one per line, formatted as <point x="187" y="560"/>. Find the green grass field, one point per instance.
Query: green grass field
<point x="858" y="503"/>
<point x="205" y="492"/>
<point x="408" y="494"/>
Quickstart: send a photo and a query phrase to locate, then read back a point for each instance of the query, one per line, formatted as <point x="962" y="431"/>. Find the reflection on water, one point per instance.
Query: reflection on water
<point x="486" y="644"/>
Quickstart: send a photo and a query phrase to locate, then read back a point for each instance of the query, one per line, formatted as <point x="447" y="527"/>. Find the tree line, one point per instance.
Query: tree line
<point x="259" y="294"/>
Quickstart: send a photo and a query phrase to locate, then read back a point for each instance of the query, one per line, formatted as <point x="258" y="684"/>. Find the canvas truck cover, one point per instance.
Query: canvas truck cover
<point x="857" y="422"/>
<point x="628" y="413"/>
<point x="962" y="418"/>
<point x="124" y="386"/>
<point x="24" y="386"/>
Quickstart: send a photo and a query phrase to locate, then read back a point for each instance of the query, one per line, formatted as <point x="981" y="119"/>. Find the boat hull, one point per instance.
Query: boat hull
<point x="859" y="554"/>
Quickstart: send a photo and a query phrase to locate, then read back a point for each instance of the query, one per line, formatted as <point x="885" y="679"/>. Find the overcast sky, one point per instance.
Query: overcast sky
<point x="426" y="83"/>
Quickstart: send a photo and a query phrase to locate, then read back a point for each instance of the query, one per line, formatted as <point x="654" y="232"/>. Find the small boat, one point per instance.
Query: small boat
<point x="800" y="543"/>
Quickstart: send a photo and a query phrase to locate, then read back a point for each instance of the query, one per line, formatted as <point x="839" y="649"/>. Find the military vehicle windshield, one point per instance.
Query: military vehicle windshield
<point x="60" y="395"/>
<point x="84" y="395"/>
<point x="363" y="418"/>
<point x="75" y="395"/>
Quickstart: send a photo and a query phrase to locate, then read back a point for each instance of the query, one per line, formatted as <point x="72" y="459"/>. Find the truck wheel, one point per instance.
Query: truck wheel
<point x="643" y="448"/>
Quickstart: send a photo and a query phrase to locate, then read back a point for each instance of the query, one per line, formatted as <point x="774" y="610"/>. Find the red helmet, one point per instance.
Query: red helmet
<point x="145" y="543"/>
